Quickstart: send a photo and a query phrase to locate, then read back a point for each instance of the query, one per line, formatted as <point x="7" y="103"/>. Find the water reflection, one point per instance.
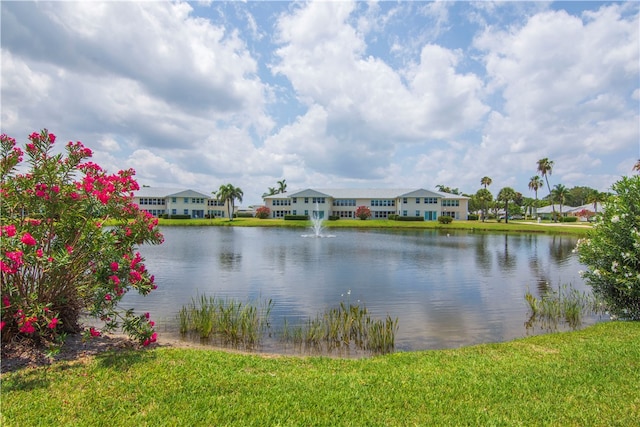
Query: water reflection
<point x="446" y="289"/>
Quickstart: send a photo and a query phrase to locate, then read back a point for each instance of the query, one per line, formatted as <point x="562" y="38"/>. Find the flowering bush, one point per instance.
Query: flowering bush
<point x="612" y="251"/>
<point x="263" y="212"/>
<point x="363" y="212"/>
<point x="57" y="259"/>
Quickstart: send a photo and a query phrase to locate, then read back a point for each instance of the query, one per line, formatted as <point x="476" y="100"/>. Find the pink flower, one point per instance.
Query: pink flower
<point x="28" y="239"/>
<point x="94" y="332"/>
<point x="69" y="249"/>
<point x="39" y="253"/>
<point x="52" y="138"/>
<point x="107" y="297"/>
<point x="27" y="328"/>
<point x="74" y="195"/>
<point x="146" y="315"/>
<point x="9" y="230"/>
<point x="5" y="301"/>
<point x="114" y="266"/>
<point x="115" y="279"/>
<point x="53" y="323"/>
<point x="2" y="325"/>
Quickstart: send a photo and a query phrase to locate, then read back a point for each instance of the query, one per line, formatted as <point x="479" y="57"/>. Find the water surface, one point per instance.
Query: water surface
<point x="447" y="289"/>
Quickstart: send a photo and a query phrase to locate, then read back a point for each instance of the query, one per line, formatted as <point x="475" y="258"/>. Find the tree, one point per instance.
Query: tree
<point x="484" y="196"/>
<point x="535" y="183"/>
<point x="444" y="189"/>
<point x="545" y="167"/>
<point x="57" y="260"/>
<point x="559" y="194"/>
<point x="506" y="195"/>
<point x="271" y="192"/>
<point x="610" y="251"/>
<point x="636" y="167"/>
<point x="596" y="197"/>
<point x="282" y="186"/>
<point x="363" y="212"/>
<point x="229" y="194"/>
<point x="485" y="181"/>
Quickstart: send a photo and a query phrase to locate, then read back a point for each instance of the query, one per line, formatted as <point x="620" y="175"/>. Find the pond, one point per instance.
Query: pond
<point x="447" y="289"/>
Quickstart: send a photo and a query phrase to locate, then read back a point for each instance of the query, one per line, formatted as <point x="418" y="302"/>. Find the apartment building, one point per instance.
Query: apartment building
<point x="171" y="201"/>
<point x="382" y="202"/>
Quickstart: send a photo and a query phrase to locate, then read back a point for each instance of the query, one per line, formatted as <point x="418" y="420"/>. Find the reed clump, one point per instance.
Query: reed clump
<point x="346" y="326"/>
<point x="227" y="319"/>
<point x="563" y="305"/>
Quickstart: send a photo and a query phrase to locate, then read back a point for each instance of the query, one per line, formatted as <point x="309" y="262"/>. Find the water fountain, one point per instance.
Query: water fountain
<point x="316" y="225"/>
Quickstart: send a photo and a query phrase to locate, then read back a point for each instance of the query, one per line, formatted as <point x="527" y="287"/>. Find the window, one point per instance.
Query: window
<point x="306" y="200"/>
<point x="295" y="200"/>
<point x="404" y="213"/>
<point x="186" y="211"/>
<point x="186" y="200"/>
<point x="417" y="213"/>
<point x="404" y="200"/>
<point x="174" y="211"/>
<point x="417" y="200"/>
<point x="173" y="199"/>
<point x="453" y="203"/>
<point x="431" y="200"/>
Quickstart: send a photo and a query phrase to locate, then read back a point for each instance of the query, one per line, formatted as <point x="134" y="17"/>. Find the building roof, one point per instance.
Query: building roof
<point x="159" y="192"/>
<point x="365" y="193"/>
<point x="549" y="209"/>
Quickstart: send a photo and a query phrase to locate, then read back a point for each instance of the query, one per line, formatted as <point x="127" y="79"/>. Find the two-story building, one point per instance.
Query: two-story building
<point x="343" y="202"/>
<point x="171" y="201"/>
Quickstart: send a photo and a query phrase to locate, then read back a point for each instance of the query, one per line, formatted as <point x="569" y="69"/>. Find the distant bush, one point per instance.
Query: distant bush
<point x="410" y="218"/>
<point x="392" y="217"/>
<point x="166" y="216"/>
<point x="296" y="217"/>
<point x="445" y="219"/>
<point x="243" y="215"/>
<point x="363" y="212"/>
<point x="263" y="212"/>
<point x="569" y="219"/>
<point x="472" y="217"/>
<point x="333" y="217"/>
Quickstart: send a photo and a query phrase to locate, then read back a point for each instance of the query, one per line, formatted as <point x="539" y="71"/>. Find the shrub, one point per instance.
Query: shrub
<point x="393" y="217"/>
<point x="569" y="219"/>
<point x="333" y="218"/>
<point x="472" y="217"/>
<point x="445" y="219"/>
<point x="296" y="217"/>
<point x="409" y="218"/>
<point x="611" y="251"/>
<point x="263" y="212"/>
<point x="363" y="212"/>
<point x="243" y="215"/>
<point x="57" y="260"/>
<point x="178" y="216"/>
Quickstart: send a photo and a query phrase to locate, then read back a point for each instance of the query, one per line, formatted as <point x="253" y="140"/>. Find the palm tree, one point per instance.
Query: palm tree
<point x="545" y="167"/>
<point x="596" y="197"/>
<point x="636" y="167"/>
<point x="559" y="194"/>
<point x="535" y="183"/>
<point x="506" y="195"/>
<point x="484" y="196"/>
<point x="282" y="186"/>
<point x="228" y="194"/>
<point x="485" y="181"/>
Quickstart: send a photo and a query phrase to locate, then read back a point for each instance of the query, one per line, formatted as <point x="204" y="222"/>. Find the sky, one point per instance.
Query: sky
<point x="331" y="94"/>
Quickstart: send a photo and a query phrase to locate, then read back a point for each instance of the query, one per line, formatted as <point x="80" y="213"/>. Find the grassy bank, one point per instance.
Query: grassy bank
<point x="577" y="229"/>
<point x="584" y="378"/>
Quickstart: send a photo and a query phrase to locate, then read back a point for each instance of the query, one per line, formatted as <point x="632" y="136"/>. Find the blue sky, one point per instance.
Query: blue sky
<point x="331" y="94"/>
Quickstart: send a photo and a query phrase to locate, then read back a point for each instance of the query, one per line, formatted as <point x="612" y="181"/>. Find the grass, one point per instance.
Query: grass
<point x="583" y="378"/>
<point x="546" y="227"/>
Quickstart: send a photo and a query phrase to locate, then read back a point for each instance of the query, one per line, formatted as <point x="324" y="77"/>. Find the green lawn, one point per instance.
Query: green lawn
<point x="577" y="229"/>
<point x="584" y="378"/>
